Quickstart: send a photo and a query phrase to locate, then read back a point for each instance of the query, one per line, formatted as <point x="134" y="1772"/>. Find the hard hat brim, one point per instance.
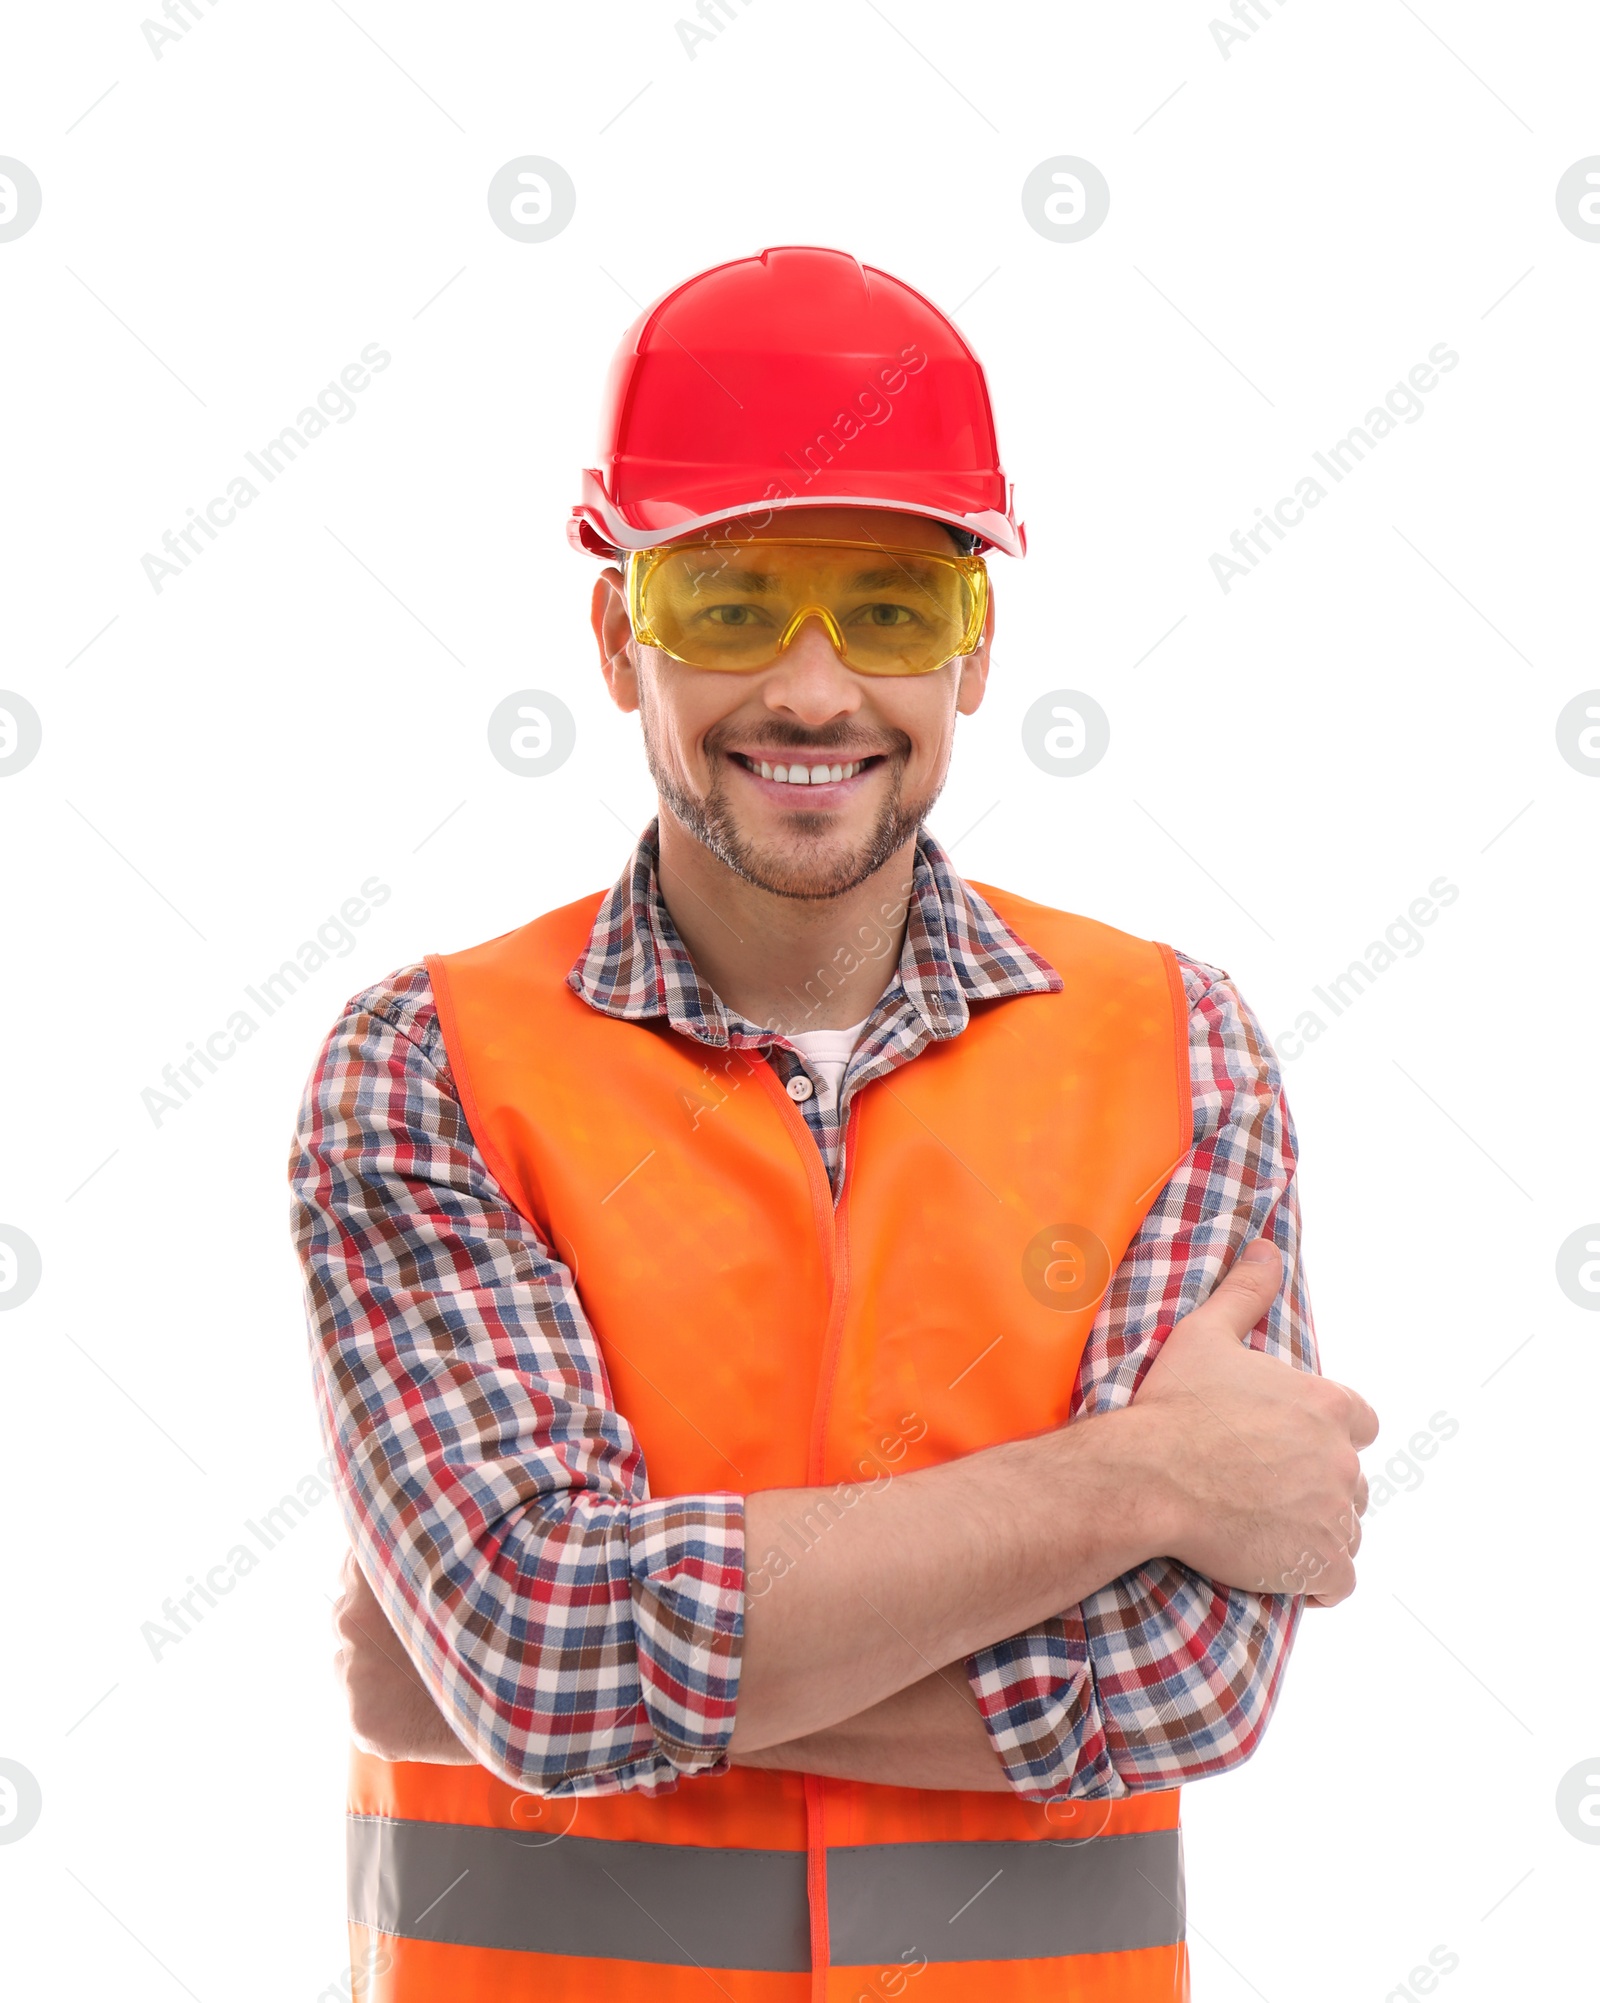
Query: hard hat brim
<point x="597" y="527"/>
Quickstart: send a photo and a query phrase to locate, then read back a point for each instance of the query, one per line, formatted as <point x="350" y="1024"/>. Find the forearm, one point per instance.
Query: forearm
<point x="984" y="1547"/>
<point x="929" y="1735"/>
<point x="1198" y="1703"/>
<point x="932" y="1566"/>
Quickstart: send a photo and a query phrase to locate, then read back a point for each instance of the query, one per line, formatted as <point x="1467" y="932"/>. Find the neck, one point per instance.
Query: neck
<point x="788" y="963"/>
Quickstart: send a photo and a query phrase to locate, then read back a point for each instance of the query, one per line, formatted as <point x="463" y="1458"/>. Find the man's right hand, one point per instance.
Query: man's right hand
<point x="1255" y="1460"/>
<point x="1231" y="1462"/>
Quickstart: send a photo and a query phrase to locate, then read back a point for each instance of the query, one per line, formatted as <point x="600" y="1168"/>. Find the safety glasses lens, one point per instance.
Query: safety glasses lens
<point x="886" y="611"/>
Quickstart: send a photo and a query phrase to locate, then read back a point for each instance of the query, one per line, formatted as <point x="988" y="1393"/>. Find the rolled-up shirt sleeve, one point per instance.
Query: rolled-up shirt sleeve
<point x="581" y="1636"/>
<point x="1164" y="1676"/>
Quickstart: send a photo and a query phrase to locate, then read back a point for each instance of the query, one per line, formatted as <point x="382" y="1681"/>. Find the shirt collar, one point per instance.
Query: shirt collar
<point x="957" y="950"/>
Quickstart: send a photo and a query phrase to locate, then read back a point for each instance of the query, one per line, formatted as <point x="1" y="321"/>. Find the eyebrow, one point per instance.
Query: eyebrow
<point x="887" y="576"/>
<point x="884" y="577"/>
<point x="734" y="579"/>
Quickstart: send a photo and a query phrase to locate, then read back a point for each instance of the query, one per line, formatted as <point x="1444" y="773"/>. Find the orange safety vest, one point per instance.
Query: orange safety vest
<point x="757" y="1335"/>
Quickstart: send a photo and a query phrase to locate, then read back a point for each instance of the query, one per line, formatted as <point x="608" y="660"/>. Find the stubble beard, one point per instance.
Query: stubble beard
<point x="801" y="868"/>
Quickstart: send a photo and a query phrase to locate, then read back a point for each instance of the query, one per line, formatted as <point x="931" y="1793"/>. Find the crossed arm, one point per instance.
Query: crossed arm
<point x="1226" y="1458"/>
<point x="488" y="1484"/>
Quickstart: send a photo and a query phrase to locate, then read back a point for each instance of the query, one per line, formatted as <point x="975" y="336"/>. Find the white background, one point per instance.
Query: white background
<point x="1292" y="227"/>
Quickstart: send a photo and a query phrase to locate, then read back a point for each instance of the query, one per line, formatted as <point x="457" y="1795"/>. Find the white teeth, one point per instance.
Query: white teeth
<point x="803" y="775"/>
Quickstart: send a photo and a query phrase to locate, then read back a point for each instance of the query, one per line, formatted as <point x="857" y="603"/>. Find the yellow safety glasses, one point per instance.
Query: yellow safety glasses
<point x="737" y="606"/>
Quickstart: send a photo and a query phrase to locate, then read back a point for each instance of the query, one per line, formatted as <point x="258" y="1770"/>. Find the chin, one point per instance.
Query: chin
<point x="814" y="859"/>
<point x="808" y="870"/>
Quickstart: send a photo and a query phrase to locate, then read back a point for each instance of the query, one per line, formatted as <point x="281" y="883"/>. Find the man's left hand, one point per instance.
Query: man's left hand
<point x="392" y="1712"/>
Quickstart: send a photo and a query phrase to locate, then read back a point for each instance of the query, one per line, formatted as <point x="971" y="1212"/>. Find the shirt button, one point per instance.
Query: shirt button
<point x="799" y="1087"/>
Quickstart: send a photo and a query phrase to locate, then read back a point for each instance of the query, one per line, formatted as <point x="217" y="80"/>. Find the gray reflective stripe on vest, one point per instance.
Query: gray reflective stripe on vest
<point x="663" y="1902"/>
<point x="1004" y="1901"/>
<point x="682" y="1905"/>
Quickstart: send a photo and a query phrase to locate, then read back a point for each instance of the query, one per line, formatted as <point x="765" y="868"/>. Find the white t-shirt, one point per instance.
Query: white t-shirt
<point x="827" y="1052"/>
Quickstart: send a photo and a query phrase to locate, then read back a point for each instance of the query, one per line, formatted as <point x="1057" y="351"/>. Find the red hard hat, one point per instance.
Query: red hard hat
<point x="798" y="378"/>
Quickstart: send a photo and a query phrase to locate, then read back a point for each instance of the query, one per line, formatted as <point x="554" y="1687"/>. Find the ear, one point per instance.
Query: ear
<point x="613" y="632"/>
<point x="975" y="666"/>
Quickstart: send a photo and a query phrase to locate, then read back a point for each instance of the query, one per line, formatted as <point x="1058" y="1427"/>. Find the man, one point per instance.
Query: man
<point x="767" y="1318"/>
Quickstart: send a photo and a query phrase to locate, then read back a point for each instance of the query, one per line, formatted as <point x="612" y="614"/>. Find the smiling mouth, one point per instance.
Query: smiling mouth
<point x="811" y="773"/>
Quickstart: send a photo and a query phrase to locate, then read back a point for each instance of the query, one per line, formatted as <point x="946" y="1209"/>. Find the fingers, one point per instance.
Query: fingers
<point x="1334" y="1585"/>
<point x="1245" y="1292"/>
<point x="358" y="1615"/>
<point x="1333" y="1581"/>
<point x="1344" y="1584"/>
<point x="357" y="1587"/>
<point x="343" y="1601"/>
<point x="1361" y="1419"/>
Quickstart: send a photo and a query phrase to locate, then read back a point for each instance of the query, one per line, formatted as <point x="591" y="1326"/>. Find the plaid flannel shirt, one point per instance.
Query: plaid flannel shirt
<point x="583" y="1635"/>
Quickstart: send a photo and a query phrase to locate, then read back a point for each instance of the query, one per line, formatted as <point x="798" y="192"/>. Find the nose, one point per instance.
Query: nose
<point x="809" y="679"/>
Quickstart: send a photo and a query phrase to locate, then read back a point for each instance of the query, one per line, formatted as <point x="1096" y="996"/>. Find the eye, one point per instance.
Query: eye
<point x="882" y="613"/>
<point x="735" y="615"/>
